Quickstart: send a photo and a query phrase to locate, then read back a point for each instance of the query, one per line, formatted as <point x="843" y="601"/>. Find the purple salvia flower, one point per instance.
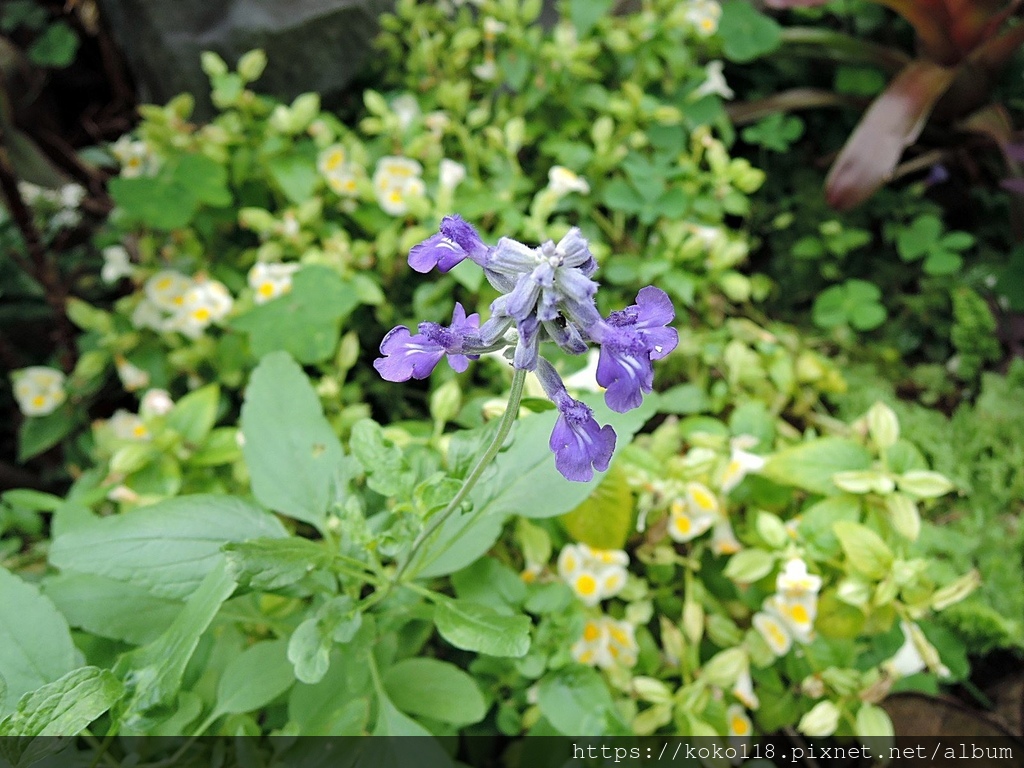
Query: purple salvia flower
<point x="408" y="356"/>
<point x="630" y="339"/>
<point x="579" y="444"/>
<point x="456" y="241"/>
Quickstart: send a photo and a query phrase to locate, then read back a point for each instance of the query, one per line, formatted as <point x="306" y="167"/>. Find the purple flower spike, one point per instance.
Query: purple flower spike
<point x="408" y="356"/>
<point x="580" y="445"/>
<point x="630" y="340"/>
<point x="456" y="241"/>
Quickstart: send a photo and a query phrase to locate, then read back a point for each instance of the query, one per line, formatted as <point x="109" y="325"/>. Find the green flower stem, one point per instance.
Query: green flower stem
<point x="507" y="420"/>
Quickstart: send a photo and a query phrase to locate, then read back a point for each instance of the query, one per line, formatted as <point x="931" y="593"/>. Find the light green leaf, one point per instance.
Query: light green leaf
<point x="749" y="565"/>
<point x="106" y="607"/>
<point x="436" y="690"/>
<point x="309" y="651"/>
<point x="605" y="518"/>
<point x="154" y="671"/>
<point x="255" y="678"/>
<point x="747" y="33"/>
<point x="576" y="701"/>
<point x="812" y="464"/>
<point x="306" y="321"/>
<point x="391" y="722"/>
<point x="296" y="462"/>
<point x="924" y="484"/>
<point x="66" y="706"/>
<point x="35" y="641"/>
<point x="864" y="548"/>
<point x="475" y="627"/>
<point x="195" y="414"/>
<point x="168" y="548"/>
<point x="270" y="564"/>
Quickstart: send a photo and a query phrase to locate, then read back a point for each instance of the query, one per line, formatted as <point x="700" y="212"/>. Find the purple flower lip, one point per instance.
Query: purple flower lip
<point x="408" y="356"/>
<point x="630" y="340"/>
<point x="580" y="445"/>
<point x="456" y="241"/>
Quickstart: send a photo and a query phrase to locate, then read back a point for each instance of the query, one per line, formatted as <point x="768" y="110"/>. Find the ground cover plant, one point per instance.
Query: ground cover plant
<point x="515" y="400"/>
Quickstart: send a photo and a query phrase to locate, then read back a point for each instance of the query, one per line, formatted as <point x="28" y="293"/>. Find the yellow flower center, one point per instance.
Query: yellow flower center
<point x="740" y="727"/>
<point x="586" y="585"/>
<point x="799" y="614"/>
<point x="591" y="632"/>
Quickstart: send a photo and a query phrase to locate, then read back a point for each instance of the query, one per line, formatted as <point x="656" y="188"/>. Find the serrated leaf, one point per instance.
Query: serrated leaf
<point x="295" y="459"/>
<point x="167" y="548"/>
<point x="475" y="627"/>
<point x="269" y="564"/>
<point x="66" y="706"/>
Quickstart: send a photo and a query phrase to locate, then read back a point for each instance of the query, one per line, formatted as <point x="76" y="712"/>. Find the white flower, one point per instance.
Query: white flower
<point x="331" y="160"/>
<point x="743" y="689"/>
<point x="703" y="16"/>
<point x="148" y="315"/>
<point x="562" y="181"/>
<point x="774" y="632"/>
<point x="606" y="642"/>
<point x="271" y="280"/>
<point x="741" y="463"/>
<point x="794" y="581"/>
<point x="156" y="402"/>
<point x="909" y="659"/>
<point x="593" y="574"/>
<point x="29" y="192"/>
<point x="206" y="302"/>
<point x="492" y="28"/>
<point x="695" y="514"/>
<point x="723" y="538"/>
<point x="714" y="83"/>
<point x="71" y="195"/>
<point x="406" y="109"/>
<point x="395" y="180"/>
<point x="135" y="157"/>
<point x="39" y="390"/>
<point x="738" y="722"/>
<point x="166" y="289"/>
<point x="450" y="173"/>
<point x="436" y="121"/>
<point x="132" y="377"/>
<point x="127" y="426"/>
<point x="116" y="264"/>
<point x="796" y="614"/>
<point x="487" y="71"/>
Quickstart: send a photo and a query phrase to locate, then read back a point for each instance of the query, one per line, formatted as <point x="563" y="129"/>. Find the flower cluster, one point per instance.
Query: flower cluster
<point x="606" y="642"/>
<point x="547" y="295"/>
<point x="789" y="614"/>
<point x="593" y="574"/>
<point x="136" y="157"/>
<point x="175" y="302"/>
<point x="268" y="281"/>
<point x="341" y="175"/>
<point x="39" y="390"/>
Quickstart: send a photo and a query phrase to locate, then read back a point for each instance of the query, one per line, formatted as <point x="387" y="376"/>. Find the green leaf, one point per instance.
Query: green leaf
<point x="295" y="460"/>
<point x="296" y="175"/>
<point x="56" y="47"/>
<point x="746" y="32"/>
<point x="255" y="678"/>
<point x="475" y="627"/>
<point x="381" y="460"/>
<point x="683" y="399"/>
<point x="576" y="701"/>
<point x="155" y="671"/>
<point x="305" y="321"/>
<point x="66" y="706"/>
<point x="391" y="722"/>
<point x="916" y="240"/>
<point x="154" y="201"/>
<point x="194" y="415"/>
<point x="489" y="582"/>
<point x="619" y="195"/>
<point x="35" y="640"/>
<point x="942" y="262"/>
<point x="271" y="564"/>
<point x="205" y="179"/>
<point x="605" y="518"/>
<point x="168" y="548"/>
<point x="40" y="433"/>
<point x="435" y="689"/>
<point x="749" y="565"/>
<point x="864" y="548"/>
<point x="586" y="13"/>
<point x="810" y="465"/>
<point x="105" y="607"/>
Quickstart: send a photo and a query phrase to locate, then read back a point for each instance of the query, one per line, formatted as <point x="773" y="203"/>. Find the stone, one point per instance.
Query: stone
<point x="311" y="45"/>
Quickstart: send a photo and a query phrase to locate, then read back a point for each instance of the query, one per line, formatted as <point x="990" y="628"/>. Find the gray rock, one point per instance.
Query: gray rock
<point x="311" y="45"/>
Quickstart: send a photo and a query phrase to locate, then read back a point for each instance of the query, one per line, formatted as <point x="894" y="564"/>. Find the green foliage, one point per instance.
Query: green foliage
<point x="973" y="334"/>
<point x="855" y="302"/>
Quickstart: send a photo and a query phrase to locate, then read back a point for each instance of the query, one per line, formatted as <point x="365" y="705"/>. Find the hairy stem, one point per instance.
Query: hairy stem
<point x="504" y="427"/>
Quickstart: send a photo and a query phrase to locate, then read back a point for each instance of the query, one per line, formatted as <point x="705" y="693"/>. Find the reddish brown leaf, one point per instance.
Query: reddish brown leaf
<point x="892" y="123"/>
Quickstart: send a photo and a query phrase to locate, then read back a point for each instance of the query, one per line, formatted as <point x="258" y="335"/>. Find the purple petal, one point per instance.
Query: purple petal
<point x="465" y="236"/>
<point x="579" y="444"/>
<point x="661" y="341"/>
<point x="459" y="363"/>
<point x="654" y="308"/>
<point x="406" y="356"/>
<point x="436" y="251"/>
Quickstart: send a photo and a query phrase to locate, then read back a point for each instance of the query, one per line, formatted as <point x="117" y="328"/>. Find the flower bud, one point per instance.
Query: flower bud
<point x="883" y="426"/>
<point x="821" y="721"/>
